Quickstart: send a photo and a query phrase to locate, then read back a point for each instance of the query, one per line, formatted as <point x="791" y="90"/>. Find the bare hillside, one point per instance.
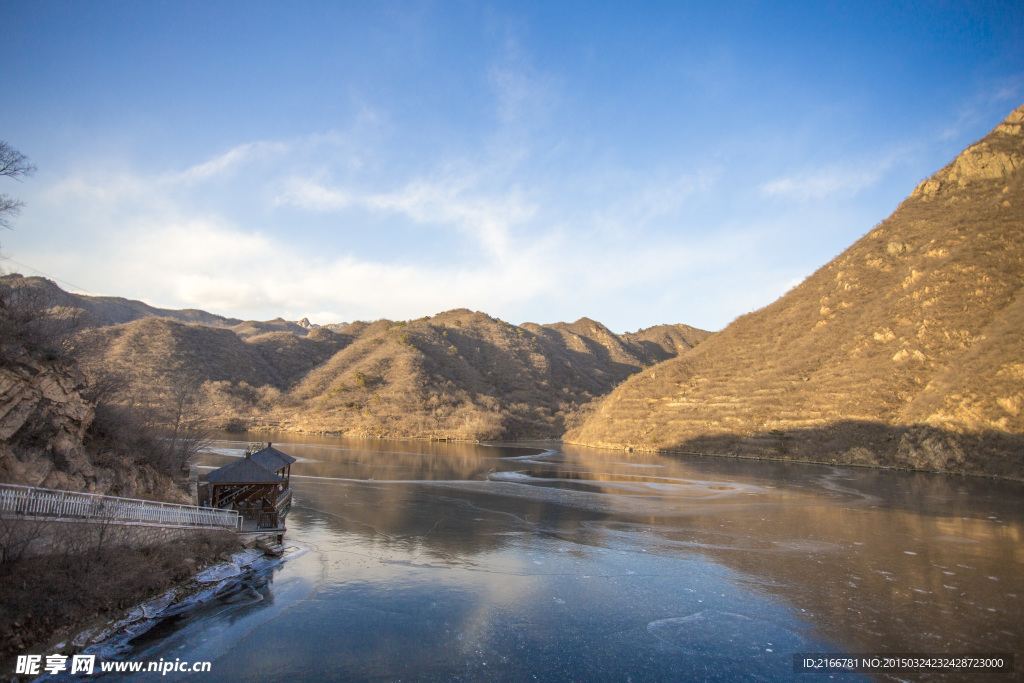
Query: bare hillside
<point x="99" y="311"/>
<point x="151" y="352"/>
<point x="462" y="374"/>
<point x="906" y="350"/>
<point x="459" y="374"/>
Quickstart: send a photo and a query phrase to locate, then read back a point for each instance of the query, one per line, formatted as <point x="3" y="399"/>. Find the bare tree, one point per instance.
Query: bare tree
<point x="183" y="422"/>
<point x="13" y="164"/>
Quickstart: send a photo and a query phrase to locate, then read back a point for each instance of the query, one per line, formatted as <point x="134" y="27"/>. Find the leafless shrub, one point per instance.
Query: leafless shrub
<point x="35" y="323"/>
<point x="13" y="164"/>
<point x="50" y="598"/>
<point x="16" y="535"/>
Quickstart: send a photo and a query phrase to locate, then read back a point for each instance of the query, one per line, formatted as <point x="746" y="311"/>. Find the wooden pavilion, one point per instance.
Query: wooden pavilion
<point x="257" y="486"/>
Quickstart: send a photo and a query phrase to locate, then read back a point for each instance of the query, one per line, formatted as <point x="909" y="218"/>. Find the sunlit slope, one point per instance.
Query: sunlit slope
<point x="905" y="350"/>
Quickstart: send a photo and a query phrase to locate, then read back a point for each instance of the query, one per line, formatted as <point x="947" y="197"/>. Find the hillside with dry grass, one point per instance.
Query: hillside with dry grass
<point x="215" y="371"/>
<point x="906" y="350"/>
<point x="459" y="374"/>
<point x="99" y="311"/>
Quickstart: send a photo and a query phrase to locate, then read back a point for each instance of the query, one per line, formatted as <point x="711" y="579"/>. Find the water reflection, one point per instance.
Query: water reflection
<point x="447" y="560"/>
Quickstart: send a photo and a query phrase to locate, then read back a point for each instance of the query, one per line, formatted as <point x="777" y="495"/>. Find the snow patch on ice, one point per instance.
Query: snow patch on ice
<point x="152" y="608"/>
<point x="218" y="572"/>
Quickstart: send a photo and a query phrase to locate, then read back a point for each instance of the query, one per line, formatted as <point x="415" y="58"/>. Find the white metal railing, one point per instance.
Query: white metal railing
<point x="31" y="502"/>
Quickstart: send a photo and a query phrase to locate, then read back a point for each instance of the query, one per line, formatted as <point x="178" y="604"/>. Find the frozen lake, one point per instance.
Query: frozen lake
<point x="422" y="560"/>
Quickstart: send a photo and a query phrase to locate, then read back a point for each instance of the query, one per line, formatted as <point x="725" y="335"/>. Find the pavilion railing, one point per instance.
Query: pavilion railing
<point x="283" y="500"/>
<point x="27" y="502"/>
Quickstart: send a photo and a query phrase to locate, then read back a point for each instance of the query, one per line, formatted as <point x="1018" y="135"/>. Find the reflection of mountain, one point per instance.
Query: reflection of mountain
<point x="450" y="526"/>
<point x="883" y="561"/>
<point x="906" y="350"/>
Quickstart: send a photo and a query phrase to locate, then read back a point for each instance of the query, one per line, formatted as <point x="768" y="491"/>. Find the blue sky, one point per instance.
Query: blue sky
<point x="635" y="163"/>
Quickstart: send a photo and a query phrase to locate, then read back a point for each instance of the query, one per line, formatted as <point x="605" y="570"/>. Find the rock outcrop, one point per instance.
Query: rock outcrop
<point x="995" y="158"/>
<point x="44" y="431"/>
<point x="42" y="411"/>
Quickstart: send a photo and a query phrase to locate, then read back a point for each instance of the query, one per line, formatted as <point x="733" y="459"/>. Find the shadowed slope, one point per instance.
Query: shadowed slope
<point x="103" y="311"/>
<point x="906" y="350"/>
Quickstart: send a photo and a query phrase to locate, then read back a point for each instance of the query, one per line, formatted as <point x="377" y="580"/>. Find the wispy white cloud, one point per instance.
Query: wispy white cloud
<point x="525" y="101"/>
<point x="144" y="236"/>
<point x="311" y="195"/>
<point x="665" y="198"/>
<point x="826" y="181"/>
<point x="520" y="95"/>
<point x="229" y="161"/>
<point x="1002" y="96"/>
<point x="121" y="186"/>
<point x="448" y="202"/>
<point x="620" y="242"/>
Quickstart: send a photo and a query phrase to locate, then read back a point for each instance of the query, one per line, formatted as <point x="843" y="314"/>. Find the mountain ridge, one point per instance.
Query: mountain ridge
<point x="457" y="375"/>
<point x="905" y="350"/>
<point x="103" y="311"/>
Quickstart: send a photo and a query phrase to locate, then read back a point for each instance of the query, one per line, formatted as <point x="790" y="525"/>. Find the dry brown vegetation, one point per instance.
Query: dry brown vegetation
<point x="457" y="375"/>
<point x="54" y="595"/>
<point x="906" y="350"/>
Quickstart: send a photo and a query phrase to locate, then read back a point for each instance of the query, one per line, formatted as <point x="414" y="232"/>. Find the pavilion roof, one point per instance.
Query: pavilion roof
<point x="243" y="471"/>
<point x="273" y="459"/>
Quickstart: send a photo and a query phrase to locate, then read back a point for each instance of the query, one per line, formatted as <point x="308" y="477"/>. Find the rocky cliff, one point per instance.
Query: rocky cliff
<point x="50" y="434"/>
<point x="44" y="431"/>
<point x="42" y="407"/>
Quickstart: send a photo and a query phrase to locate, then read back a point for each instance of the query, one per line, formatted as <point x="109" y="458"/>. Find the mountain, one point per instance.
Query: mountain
<point x="459" y="374"/>
<point x="906" y="350"/>
<point x="92" y="311"/>
<point x="103" y="311"/>
<point x="154" y="351"/>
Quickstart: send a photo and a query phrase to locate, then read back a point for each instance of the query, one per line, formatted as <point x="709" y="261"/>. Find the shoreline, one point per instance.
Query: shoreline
<point x="64" y="599"/>
<point x="628" y="448"/>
